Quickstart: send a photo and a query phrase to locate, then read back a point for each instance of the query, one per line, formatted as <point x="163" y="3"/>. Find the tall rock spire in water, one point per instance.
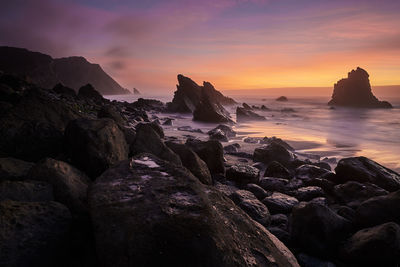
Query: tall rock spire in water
<point x="355" y="91"/>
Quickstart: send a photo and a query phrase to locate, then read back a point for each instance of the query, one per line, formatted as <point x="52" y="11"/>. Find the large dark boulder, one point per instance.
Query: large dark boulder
<point x="274" y="184"/>
<point x="362" y="169"/>
<point x="27" y="191"/>
<point x="111" y="112"/>
<point x="189" y="94"/>
<point x="252" y="206"/>
<point x="211" y="152"/>
<point x="208" y="111"/>
<point x="192" y="162"/>
<point x="243" y="114"/>
<point x="33" y="233"/>
<point x="273" y="152"/>
<point x="69" y="184"/>
<point x="275" y="169"/>
<point x="222" y="133"/>
<point x="148" y="140"/>
<point x="280" y="203"/>
<point x="14" y="169"/>
<point x="146" y="212"/>
<point x="355" y="91"/>
<point x="243" y="174"/>
<point x="317" y="229"/>
<point x="375" y="246"/>
<point x="308" y="172"/>
<point x="378" y="210"/>
<point x="95" y="144"/>
<point x="307" y="193"/>
<point x="354" y="192"/>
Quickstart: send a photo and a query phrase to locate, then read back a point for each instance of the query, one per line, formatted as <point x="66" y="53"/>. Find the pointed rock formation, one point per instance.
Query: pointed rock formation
<point x="189" y="94"/>
<point x="355" y="91"/>
<point x="136" y="91"/>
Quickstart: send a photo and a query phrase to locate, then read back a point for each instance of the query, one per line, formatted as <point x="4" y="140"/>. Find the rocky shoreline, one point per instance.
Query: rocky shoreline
<point x="85" y="181"/>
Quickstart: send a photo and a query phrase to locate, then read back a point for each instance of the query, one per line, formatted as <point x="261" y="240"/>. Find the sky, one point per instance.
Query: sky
<point x="234" y="44"/>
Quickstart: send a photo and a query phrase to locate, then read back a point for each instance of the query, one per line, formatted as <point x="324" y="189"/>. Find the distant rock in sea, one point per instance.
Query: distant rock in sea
<point x="355" y="91"/>
<point x="136" y="91"/>
<point x="282" y="99"/>
<point x="189" y="94"/>
<point x="46" y="72"/>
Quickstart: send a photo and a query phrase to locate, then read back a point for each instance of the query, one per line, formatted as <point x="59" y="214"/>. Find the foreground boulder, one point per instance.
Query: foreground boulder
<point x="280" y="203"/>
<point x="183" y="215"/>
<point x="33" y="233"/>
<point x="27" y="191"/>
<point x="273" y="152"/>
<point x="212" y="152"/>
<point x="243" y="114"/>
<point x="222" y="132"/>
<point x="355" y="91"/>
<point x="192" y="162"/>
<point x="318" y="229"/>
<point x="88" y="92"/>
<point x="243" y="174"/>
<point x="378" y="210"/>
<point x="252" y="206"/>
<point x="375" y="246"/>
<point x="353" y="192"/>
<point x="69" y="184"/>
<point x="95" y="144"/>
<point x="362" y="169"/>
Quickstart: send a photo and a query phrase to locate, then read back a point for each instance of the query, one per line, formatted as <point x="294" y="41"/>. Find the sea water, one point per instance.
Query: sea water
<point x="312" y="127"/>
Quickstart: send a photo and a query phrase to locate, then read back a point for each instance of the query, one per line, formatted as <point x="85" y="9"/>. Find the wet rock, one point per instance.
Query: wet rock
<point x="279" y="220"/>
<point x="189" y="129"/>
<point x="233" y="148"/>
<point x="14" y="169"/>
<point x="251" y="140"/>
<point x="168" y="122"/>
<point x="268" y="140"/>
<point x="375" y="246"/>
<point x="307" y="193"/>
<point x="243" y="114"/>
<point x="148" y="105"/>
<point x="281" y="234"/>
<point x="185" y="214"/>
<point x="307" y="172"/>
<point x="362" y="169"/>
<point x="88" y="92"/>
<point x="208" y="111"/>
<point x="273" y="152"/>
<point x="325" y="184"/>
<point x="243" y="174"/>
<point x="95" y="144"/>
<point x="282" y="99"/>
<point x="280" y="203"/>
<point x="275" y="169"/>
<point x="27" y="191"/>
<point x="355" y="91"/>
<point x="148" y="140"/>
<point x="112" y="113"/>
<point x="357" y="192"/>
<point x="273" y="184"/>
<point x="211" y="152"/>
<point x="309" y="261"/>
<point x="322" y="165"/>
<point x="189" y="94"/>
<point x="33" y="233"/>
<point x="192" y="162"/>
<point x="378" y="210"/>
<point x="222" y="132"/>
<point x="226" y="188"/>
<point x="252" y="206"/>
<point x="69" y="184"/>
<point x="258" y="191"/>
<point x="318" y="229"/>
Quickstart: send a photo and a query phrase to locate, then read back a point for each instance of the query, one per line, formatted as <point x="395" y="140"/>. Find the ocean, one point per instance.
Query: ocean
<point x="314" y="128"/>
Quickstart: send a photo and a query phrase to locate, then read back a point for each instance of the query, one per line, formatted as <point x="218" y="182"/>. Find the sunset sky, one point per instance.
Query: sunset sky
<point x="235" y="44"/>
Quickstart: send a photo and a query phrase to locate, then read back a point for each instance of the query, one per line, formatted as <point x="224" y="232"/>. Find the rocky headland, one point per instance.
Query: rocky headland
<point x="85" y="181"/>
<point x="355" y="91"/>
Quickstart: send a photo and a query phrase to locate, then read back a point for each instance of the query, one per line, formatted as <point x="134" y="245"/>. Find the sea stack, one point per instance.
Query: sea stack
<point x="136" y="91"/>
<point x="355" y="91"/>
